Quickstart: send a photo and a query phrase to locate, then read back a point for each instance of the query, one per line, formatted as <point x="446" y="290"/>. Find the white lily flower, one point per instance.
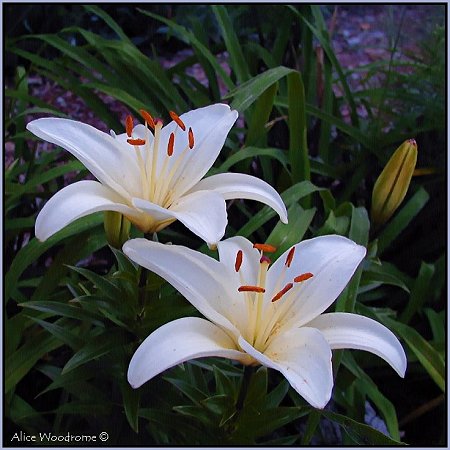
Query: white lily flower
<point x="260" y="313"/>
<point x="152" y="179"/>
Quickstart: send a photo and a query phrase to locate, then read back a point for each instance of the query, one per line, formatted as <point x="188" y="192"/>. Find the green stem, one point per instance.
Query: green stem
<point x="143" y="278"/>
<point x="248" y="372"/>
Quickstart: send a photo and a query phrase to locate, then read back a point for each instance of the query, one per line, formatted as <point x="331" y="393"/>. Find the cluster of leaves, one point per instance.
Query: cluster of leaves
<point x="71" y="331"/>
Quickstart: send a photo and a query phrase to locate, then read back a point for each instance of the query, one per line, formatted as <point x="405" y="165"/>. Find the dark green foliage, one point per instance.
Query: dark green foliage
<point x="75" y="310"/>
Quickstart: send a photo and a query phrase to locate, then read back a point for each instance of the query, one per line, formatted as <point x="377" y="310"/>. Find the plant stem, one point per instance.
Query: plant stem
<point x="143" y="278"/>
<point x="248" y="372"/>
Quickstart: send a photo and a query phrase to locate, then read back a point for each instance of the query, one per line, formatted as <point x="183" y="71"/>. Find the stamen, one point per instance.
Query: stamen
<point x="257" y="289"/>
<point x="176" y="119"/>
<point x="303" y="277"/>
<point x="129" y="125"/>
<point x="238" y="263"/>
<point x="282" y="292"/>
<point x="265" y="259"/>
<point x="136" y="141"/>
<point x="191" y="138"/>
<point x="265" y="248"/>
<point x="148" y="118"/>
<point x="170" y="144"/>
<point x="290" y="257"/>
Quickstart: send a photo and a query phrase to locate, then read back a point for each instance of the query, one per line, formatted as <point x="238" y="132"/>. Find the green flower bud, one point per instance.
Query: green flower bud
<point x="392" y="184"/>
<point x="117" y="228"/>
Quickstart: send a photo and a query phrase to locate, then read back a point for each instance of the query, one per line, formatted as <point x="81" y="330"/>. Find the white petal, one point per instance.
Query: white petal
<point x="303" y="356"/>
<point x="239" y="185"/>
<point x="228" y="250"/>
<point x="199" y="278"/>
<point x="203" y="212"/>
<point x="109" y="160"/>
<point x="210" y="126"/>
<point x="78" y="200"/>
<point x="176" y="342"/>
<point x="139" y="132"/>
<point x="344" y="330"/>
<point x="331" y="259"/>
<point x="247" y="275"/>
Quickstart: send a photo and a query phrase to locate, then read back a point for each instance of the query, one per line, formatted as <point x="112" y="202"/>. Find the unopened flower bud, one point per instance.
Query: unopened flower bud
<point x="117" y="228"/>
<point x="392" y="184"/>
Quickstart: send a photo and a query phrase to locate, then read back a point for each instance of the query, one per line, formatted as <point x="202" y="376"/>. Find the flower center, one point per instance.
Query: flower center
<point x="158" y="183"/>
<point x="265" y="316"/>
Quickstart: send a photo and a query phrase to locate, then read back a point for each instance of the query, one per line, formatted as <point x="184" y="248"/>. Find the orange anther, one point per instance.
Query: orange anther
<point x="238" y="263"/>
<point x="136" y="141"/>
<point x="265" y="248"/>
<point x="191" y="138"/>
<point x="290" y="257"/>
<point x="148" y="118"/>
<point x="303" y="277"/>
<point x="265" y="259"/>
<point x="257" y="289"/>
<point x="170" y="144"/>
<point x="282" y="292"/>
<point x="129" y="125"/>
<point x="176" y="119"/>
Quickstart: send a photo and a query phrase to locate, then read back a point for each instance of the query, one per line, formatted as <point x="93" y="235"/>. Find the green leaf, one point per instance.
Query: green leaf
<point x="289" y="196"/>
<point x="131" y="399"/>
<point x="19" y="363"/>
<point x="298" y="143"/>
<point x="257" y="130"/>
<point x="246" y="94"/>
<point x="285" y="236"/>
<point x="402" y="219"/>
<point x="237" y="59"/>
<point x="100" y="346"/>
<point x="102" y="283"/>
<point x="62" y="331"/>
<point x="34" y="249"/>
<point x="63" y="309"/>
<point x="367" y="385"/>
<point x="359" y="233"/>
<point x="425" y="353"/>
<point x="190" y="38"/>
<point x="361" y="434"/>
<point x="252" y="152"/>
<point x="419" y="292"/>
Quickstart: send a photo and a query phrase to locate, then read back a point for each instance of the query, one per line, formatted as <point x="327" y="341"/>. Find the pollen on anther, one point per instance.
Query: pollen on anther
<point x="170" y="144"/>
<point x="148" y="118"/>
<point x="282" y="292"/>
<point x="191" y="138"/>
<point x="136" y="141"/>
<point x="290" y="257"/>
<point x="303" y="277"/>
<point x="238" y="262"/>
<point x="129" y="125"/>
<point x="265" y="248"/>
<point x="177" y="119"/>
<point x="258" y="289"/>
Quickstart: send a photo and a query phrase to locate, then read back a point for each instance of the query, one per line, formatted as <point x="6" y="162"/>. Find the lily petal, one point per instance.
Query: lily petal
<point x="303" y="356"/>
<point x="210" y="126"/>
<point x="199" y="278"/>
<point x="331" y="259"/>
<point x="111" y="162"/>
<point x="78" y="200"/>
<point x="176" y="342"/>
<point x="344" y="330"/>
<point x="239" y="185"/>
<point x="203" y="212"/>
<point x="247" y="274"/>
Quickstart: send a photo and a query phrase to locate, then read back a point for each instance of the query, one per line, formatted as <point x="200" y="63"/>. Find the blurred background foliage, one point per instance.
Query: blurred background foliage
<point x="71" y="316"/>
